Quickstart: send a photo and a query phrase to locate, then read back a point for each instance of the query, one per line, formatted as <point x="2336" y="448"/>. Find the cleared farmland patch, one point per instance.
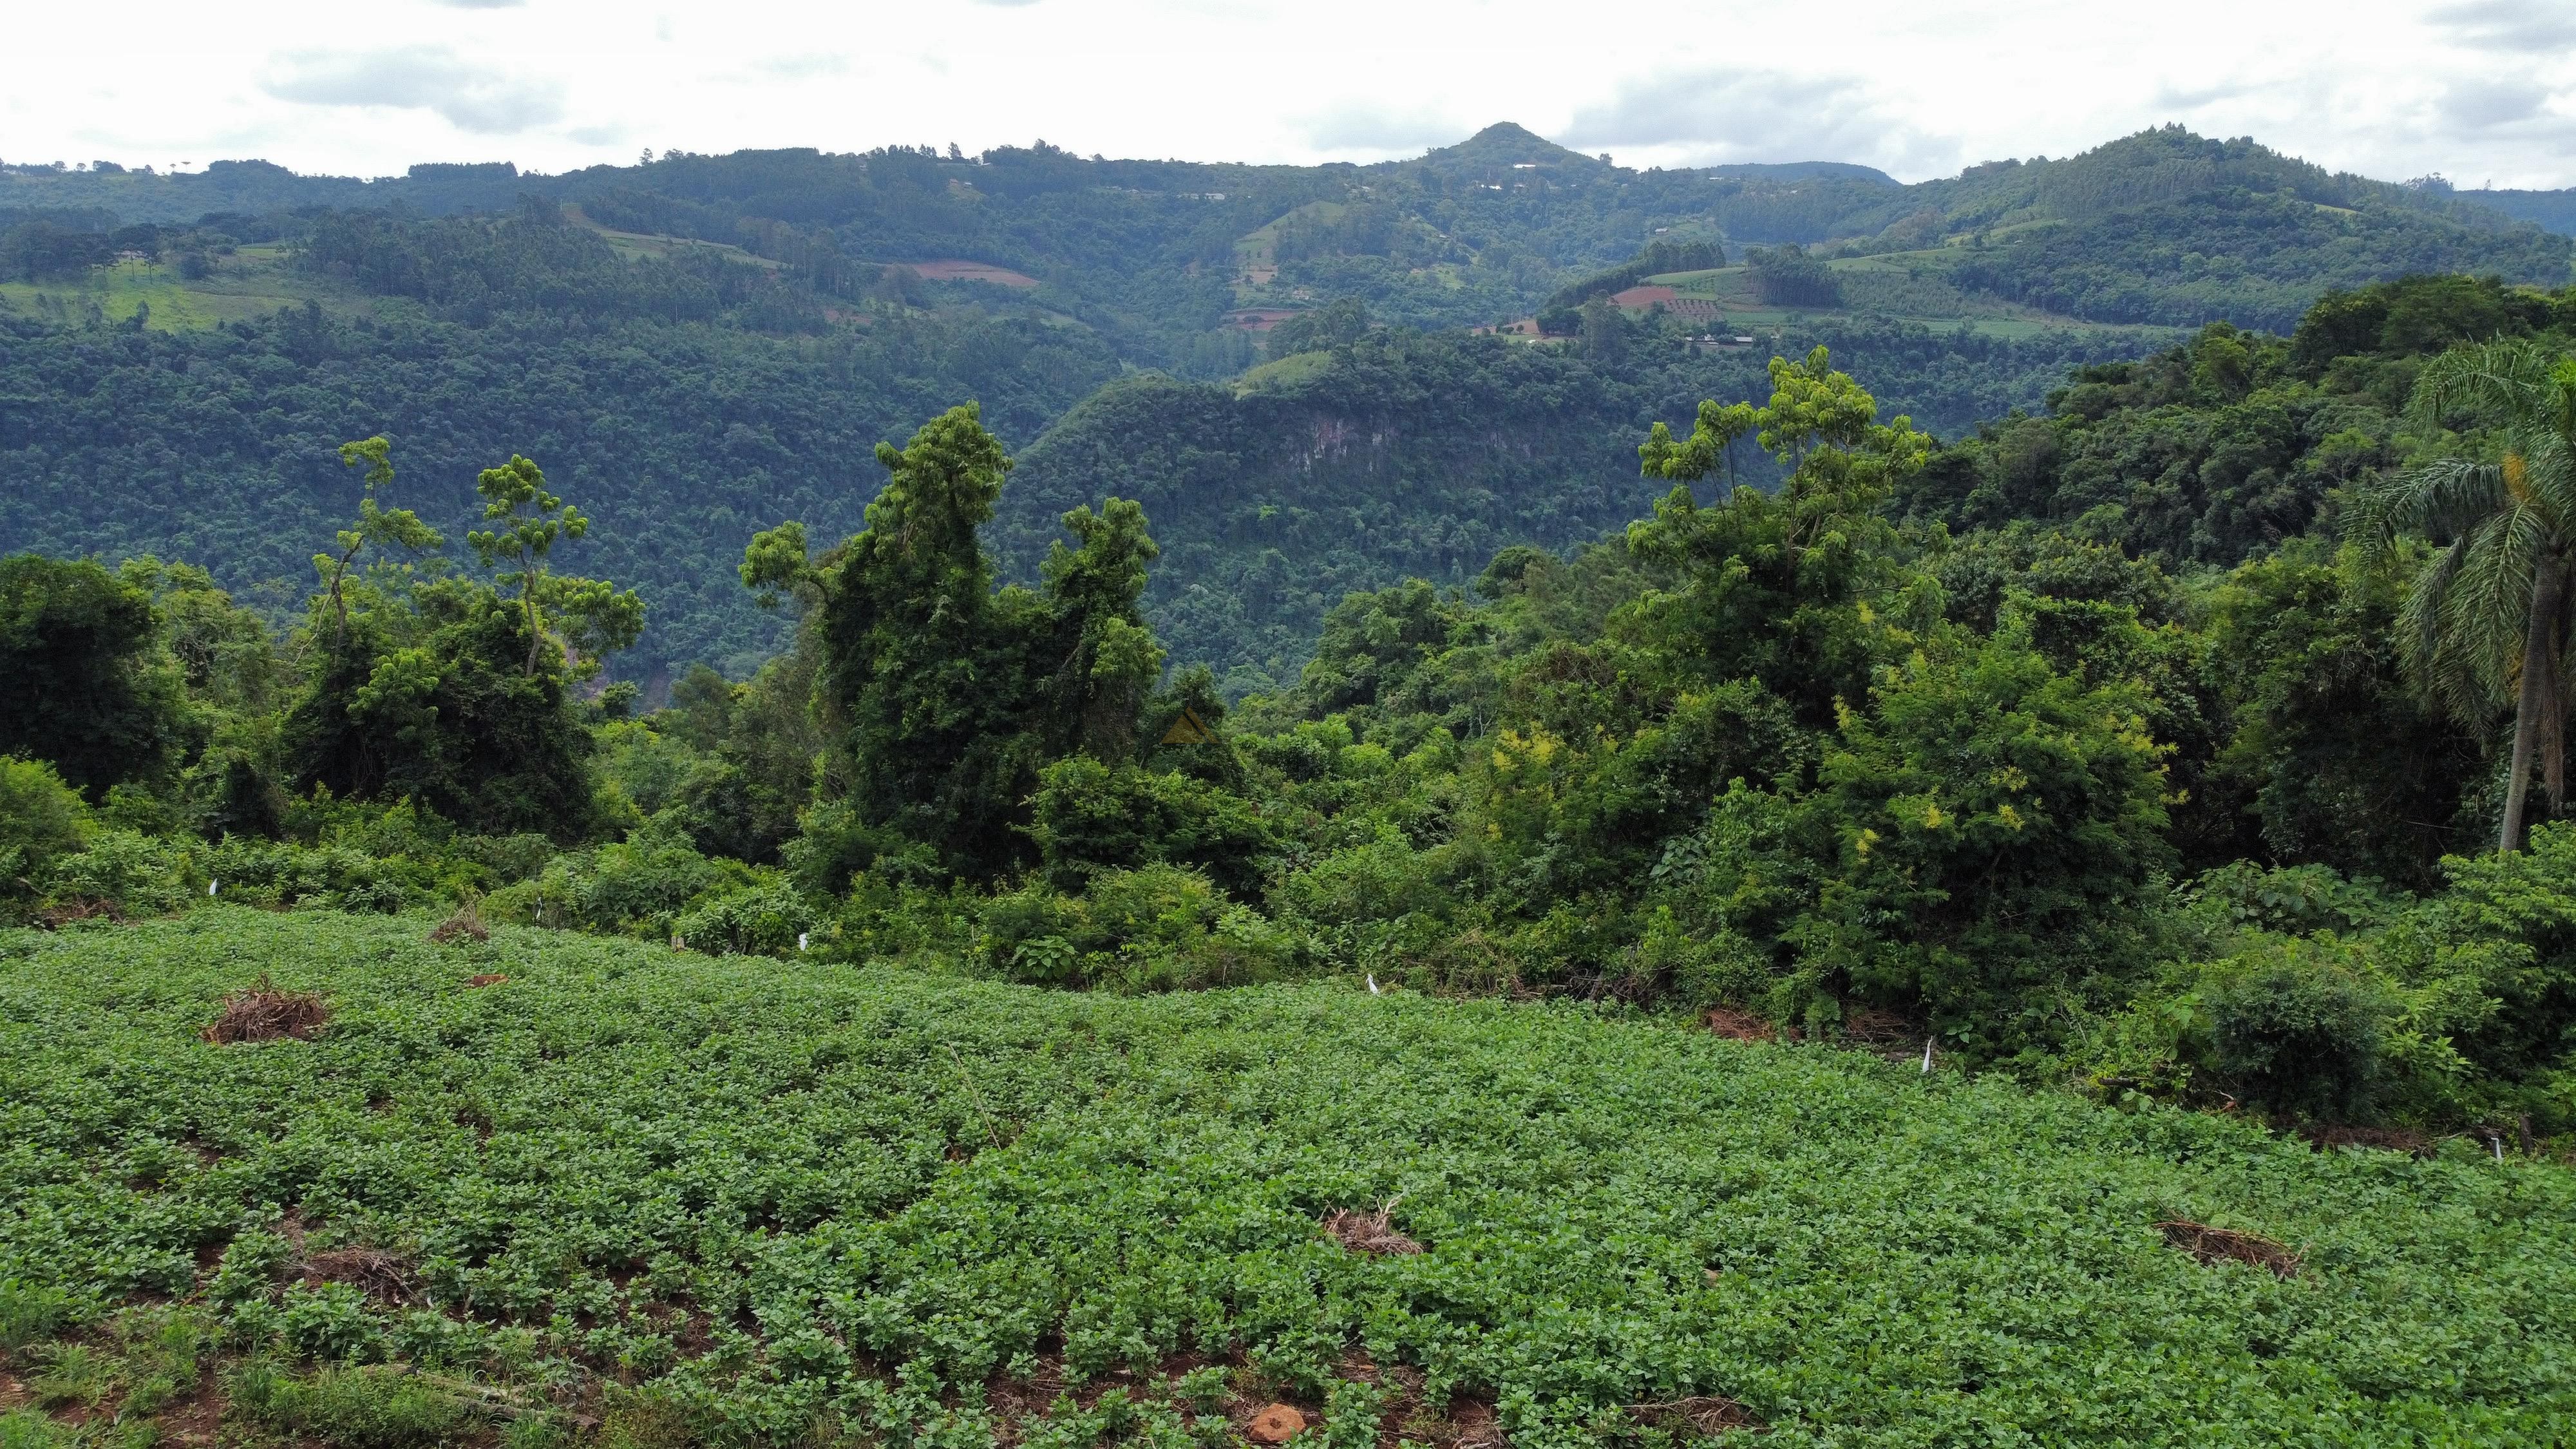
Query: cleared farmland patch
<point x="749" y="1200"/>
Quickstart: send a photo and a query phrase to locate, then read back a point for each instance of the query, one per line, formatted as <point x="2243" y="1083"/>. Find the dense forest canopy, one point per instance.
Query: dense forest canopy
<point x="1399" y="453"/>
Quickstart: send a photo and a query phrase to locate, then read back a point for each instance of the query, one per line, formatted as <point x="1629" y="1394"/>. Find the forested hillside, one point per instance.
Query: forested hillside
<point x="220" y="445"/>
<point x="2163" y="227"/>
<point x="1405" y="454"/>
<point x="706" y="343"/>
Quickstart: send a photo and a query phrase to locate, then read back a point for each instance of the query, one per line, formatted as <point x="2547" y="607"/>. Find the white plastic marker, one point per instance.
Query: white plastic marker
<point x="210" y="887"/>
<point x="1372" y="981"/>
<point x="1927" y="1056"/>
<point x="2498" y="1140"/>
<point x="800" y="939"/>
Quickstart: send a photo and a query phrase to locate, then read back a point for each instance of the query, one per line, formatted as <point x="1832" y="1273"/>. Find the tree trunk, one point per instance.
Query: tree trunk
<point x="2539" y="681"/>
<point x="2553" y="740"/>
<point x="528" y="600"/>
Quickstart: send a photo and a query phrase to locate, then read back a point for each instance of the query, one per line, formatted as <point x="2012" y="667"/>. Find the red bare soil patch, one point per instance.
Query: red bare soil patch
<point x="262" y="1012"/>
<point x="489" y="978"/>
<point x="1275" y="1424"/>
<point x="2211" y="1245"/>
<point x="957" y="269"/>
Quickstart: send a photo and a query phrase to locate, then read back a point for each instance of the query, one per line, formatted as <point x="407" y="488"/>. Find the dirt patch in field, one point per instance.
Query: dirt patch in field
<point x="465" y="925"/>
<point x="1274" y="1424"/>
<point x="63" y="913"/>
<point x="380" y="1275"/>
<point x="1373" y="1233"/>
<point x="2214" y="1245"/>
<point x="957" y="269"/>
<point x="262" y="1012"/>
<point x="1248" y="1398"/>
<point x="1706" y="1415"/>
<point x="488" y="978"/>
<point x="1739" y="1025"/>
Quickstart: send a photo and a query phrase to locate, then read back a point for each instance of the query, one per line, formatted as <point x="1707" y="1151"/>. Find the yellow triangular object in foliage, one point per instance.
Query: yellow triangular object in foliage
<point x="1189" y="730"/>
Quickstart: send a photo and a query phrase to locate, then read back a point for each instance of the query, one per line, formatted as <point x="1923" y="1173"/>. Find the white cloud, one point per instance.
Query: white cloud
<point x="2471" y="88"/>
<point x="1723" y="113"/>
<point x="805" y="66"/>
<point x="2478" y="106"/>
<point x="2521" y="26"/>
<point x="1372" y="130"/>
<point x="418" y="77"/>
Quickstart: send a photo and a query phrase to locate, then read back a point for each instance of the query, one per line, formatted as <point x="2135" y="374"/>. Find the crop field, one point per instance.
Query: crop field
<point x="634" y="1196"/>
<point x="1256" y="252"/>
<point x="252" y="283"/>
<point x="633" y="245"/>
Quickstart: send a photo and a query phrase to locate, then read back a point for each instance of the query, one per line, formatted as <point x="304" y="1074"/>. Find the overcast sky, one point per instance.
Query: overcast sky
<point x="2479" y="90"/>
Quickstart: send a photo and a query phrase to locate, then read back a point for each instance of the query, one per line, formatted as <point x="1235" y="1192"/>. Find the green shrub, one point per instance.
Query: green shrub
<point x="30" y="1312"/>
<point x="135" y="874"/>
<point x="329" y="1323"/>
<point x="641" y="886"/>
<point x="835" y="844"/>
<point x="1156" y="929"/>
<point x="1090" y="818"/>
<point x="764" y="921"/>
<point x="282" y="873"/>
<point x="28" y="1429"/>
<point x="2296" y="1031"/>
<point x="2524" y="903"/>
<point x="40" y="818"/>
<point x="2294" y="899"/>
<point x="375" y="1407"/>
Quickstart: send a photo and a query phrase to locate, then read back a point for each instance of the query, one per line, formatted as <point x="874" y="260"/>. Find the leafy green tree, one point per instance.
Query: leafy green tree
<point x="437" y="687"/>
<point x="1773" y="584"/>
<point x="590" y="618"/>
<point x="1978" y="850"/>
<point x="950" y="696"/>
<point x="2489" y="617"/>
<point x="385" y="528"/>
<point x="2332" y="755"/>
<point x="87" y="690"/>
<point x="1088" y="817"/>
<point x="235" y="684"/>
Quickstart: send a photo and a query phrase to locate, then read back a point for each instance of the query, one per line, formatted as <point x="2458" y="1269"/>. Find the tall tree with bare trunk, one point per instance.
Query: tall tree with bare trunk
<point x="2487" y="621"/>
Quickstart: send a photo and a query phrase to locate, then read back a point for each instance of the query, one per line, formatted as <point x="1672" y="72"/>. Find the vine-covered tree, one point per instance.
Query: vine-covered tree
<point x="434" y="686"/>
<point x="952" y="695"/>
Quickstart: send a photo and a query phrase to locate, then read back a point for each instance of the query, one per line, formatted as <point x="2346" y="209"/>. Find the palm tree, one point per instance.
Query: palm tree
<point x="2491" y="611"/>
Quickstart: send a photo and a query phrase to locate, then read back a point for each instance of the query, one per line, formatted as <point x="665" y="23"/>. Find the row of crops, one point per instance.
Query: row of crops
<point x="641" y="1196"/>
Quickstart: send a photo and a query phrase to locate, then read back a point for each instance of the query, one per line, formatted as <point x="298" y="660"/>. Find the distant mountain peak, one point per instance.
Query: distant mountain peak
<point x="1507" y="143"/>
